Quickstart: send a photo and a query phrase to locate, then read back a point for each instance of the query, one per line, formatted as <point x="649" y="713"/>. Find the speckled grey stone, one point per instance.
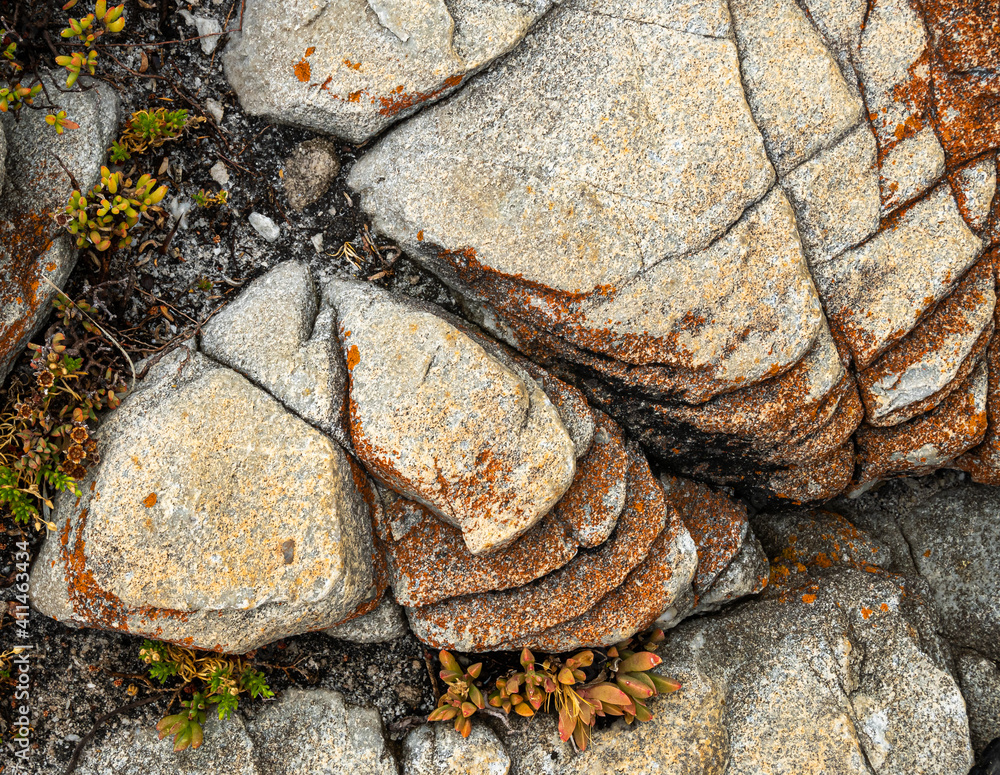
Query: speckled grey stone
<point x="955" y="546"/>
<point x="980" y="679"/>
<point x="437" y="749"/>
<point x="910" y="168"/>
<point x="387" y="622"/>
<point x="316" y="732"/>
<point x="310" y="171"/>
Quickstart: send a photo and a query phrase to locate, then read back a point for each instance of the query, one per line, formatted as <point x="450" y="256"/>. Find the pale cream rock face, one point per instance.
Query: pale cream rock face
<point x="439" y="420"/>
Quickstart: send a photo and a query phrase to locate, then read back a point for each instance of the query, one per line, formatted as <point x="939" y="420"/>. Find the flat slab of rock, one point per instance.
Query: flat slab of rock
<point x="351" y="68"/>
<point x="916" y="374"/>
<point x="647" y="592"/>
<point x="955" y="546"/>
<point x="33" y="249"/>
<point x="929" y="441"/>
<point x="480" y="622"/>
<point x="796" y="92"/>
<point x="429" y="561"/>
<point x="437" y="419"/>
<point x="216" y="519"/>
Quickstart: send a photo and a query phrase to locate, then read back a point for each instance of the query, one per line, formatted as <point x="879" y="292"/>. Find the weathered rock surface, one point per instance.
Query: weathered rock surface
<point x="796" y="92"/>
<point x="935" y="358"/>
<point x="429" y="561"/>
<point x="981" y="687"/>
<point x="352" y="68"/>
<point x="835" y="195"/>
<point x="311" y="731"/>
<point x="691" y="312"/>
<point x="955" y="546"/>
<point x="315" y="731"/>
<point x="282" y="337"/>
<point x="930" y="440"/>
<point x="975" y="186"/>
<point x="33" y="252"/>
<point x="480" y="622"/>
<point x="238" y="525"/>
<point x="137" y="750"/>
<point x="876" y="293"/>
<point x="386" y="622"/>
<point x="437" y="749"/>
<point x="439" y="420"/>
<point x="852" y="658"/>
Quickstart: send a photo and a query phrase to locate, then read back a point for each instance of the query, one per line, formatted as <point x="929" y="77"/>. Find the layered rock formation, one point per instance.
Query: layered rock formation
<point x="508" y="512"/>
<point x="776" y="277"/>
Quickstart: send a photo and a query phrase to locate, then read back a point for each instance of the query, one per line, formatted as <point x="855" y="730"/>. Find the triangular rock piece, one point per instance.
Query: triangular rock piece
<point x="439" y="420"/>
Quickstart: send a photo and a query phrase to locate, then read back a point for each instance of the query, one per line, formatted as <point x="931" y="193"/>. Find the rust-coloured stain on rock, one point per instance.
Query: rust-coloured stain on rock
<point x="149" y="501"/>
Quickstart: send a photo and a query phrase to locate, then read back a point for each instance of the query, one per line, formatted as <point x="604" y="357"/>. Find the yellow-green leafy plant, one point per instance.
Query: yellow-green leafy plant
<point x="147" y="129"/>
<point x="13" y="93"/>
<point x="207" y="199"/>
<point x="619" y="687"/>
<point x="87" y="31"/>
<point x="212" y="679"/>
<point x="46" y="442"/>
<point x="103" y="217"/>
<point x="60" y="122"/>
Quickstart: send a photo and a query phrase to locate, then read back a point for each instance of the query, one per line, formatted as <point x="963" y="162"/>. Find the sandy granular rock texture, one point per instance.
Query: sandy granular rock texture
<point x="238" y="524"/>
<point x="512" y="458"/>
<point x="701" y="318"/>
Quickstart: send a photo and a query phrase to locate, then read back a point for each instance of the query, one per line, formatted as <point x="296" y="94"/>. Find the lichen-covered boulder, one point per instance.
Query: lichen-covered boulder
<point x="216" y="519"/>
<point x="352" y="68"/>
<point x="835" y="669"/>
<point x="738" y="216"/>
<point x="34" y="251"/>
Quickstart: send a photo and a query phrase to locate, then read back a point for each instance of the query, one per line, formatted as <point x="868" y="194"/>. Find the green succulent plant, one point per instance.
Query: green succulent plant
<point x="103" y="217"/>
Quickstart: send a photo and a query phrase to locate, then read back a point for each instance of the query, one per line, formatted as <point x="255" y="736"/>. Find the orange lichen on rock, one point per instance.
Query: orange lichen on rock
<point x="92" y="605"/>
<point x="591" y="506"/>
<point x="632" y="607"/>
<point x="717" y="523"/>
<point x="429" y="561"/>
<point x="957" y="320"/>
<point x="399" y="100"/>
<point x="480" y="622"/>
<point x="927" y="442"/>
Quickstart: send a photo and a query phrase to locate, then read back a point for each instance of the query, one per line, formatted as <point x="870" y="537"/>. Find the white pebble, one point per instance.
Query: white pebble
<point x="317" y="241"/>
<point x="215" y="108"/>
<point x="219" y="173"/>
<point x="265" y="227"/>
<point x="204" y="26"/>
